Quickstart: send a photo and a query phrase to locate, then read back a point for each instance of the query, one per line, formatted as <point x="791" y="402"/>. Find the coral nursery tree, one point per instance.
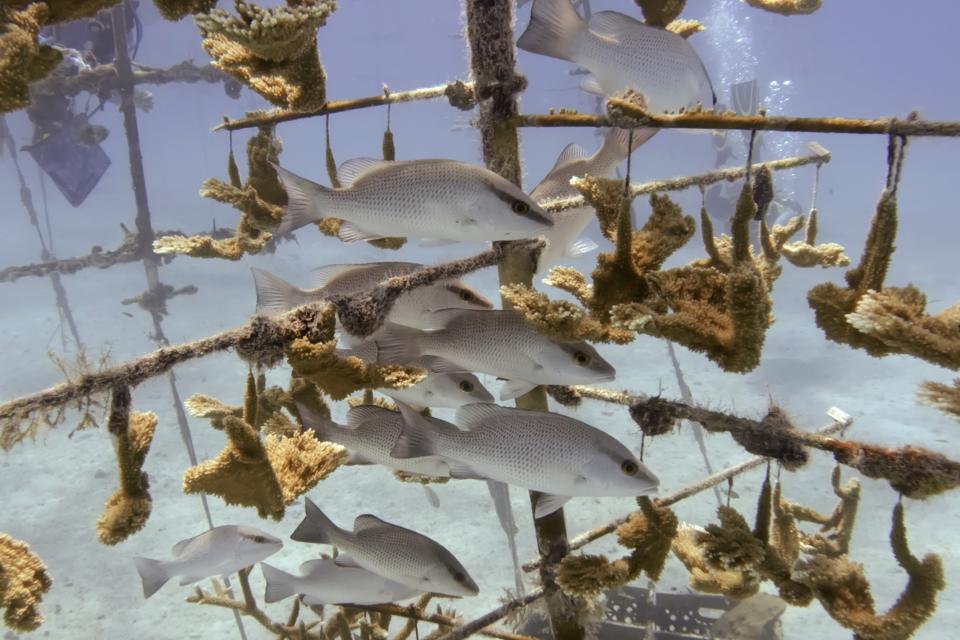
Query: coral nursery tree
<point x="719" y="305"/>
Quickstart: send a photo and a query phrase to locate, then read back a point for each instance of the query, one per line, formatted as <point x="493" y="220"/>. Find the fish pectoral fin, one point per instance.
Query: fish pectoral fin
<point x="547" y="503"/>
<point x="591" y="86"/>
<point x="349" y="232"/>
<point x="354" y="458"/>
<point x="580" y="247"/>
<point x="432" y="497"/>
<point x="516" y="388"/>
<point x="461" y="471"/>
<point x="343" y="560"/>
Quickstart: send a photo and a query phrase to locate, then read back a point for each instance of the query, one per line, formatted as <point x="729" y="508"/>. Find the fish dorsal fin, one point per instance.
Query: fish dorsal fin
<point x="351" y="170"/>
<point x="323" y="275"/>
<point x="359" y="416"/>
<point x="571" y="152"/>
<point x="343" y="560"/>
<point x="180" y="547"/>
<point x="318" y="568"/>
<point x="470" y="416"/>
<point x="612" y="24"/>
<point x="368" y="521"/>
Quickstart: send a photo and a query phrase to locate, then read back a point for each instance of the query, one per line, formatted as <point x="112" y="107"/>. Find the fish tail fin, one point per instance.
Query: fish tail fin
<point x="279" y="583"/>
<point x="321" y="425"/>
<point x="416" y="439"/>
<point x="302" y="195"/>
<point x="397" y="344"/>
<point x="616" y="145"/>
<point x="553" y="29"/>
<point x="153" y="575"/>
<point x="316" y="527"/>
<point x="275" y="295"/>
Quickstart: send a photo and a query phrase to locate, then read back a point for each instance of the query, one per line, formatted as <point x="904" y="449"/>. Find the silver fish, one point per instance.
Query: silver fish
<point x="441" y="388"/>
<point x="621" y="53"/>
<point x="498" y="343"/>
<point x="324" y="581"/>
<point x="574" y="161"/>
<point x="391" y="551"/>
<point x="275" y="295"/>
<point x="536" y="450"/>
<point x="219" y="551"/>
<point x="440" y="200"/>
<point x="369" y="434"/>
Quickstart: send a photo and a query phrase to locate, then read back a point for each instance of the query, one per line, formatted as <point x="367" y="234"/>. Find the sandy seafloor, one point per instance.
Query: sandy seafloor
<point x="52" y="491"/>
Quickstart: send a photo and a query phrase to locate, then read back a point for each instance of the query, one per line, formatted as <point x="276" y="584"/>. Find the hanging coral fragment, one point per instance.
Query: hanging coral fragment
<point x="260" y="202"/>
<point x="273" y="51"/>
<point x="23" y="581"/>
<point x="22" y="59"/>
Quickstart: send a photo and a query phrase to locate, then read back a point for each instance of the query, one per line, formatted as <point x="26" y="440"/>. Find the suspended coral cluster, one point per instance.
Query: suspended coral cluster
<point x="23" y="581"/>
<point x="22" y="59"/>
<point x="273" y="50"/>
<point x="260" y="202"/>
<point x="267" y="474"/>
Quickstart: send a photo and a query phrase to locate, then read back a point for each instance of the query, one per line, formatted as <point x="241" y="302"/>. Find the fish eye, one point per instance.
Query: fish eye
<point x="466" y="385"/>
<point x="519" y="206"/>
<point x="259" y="539"/>
<point x="629" y="467"/>
<point x="582" y="359"/>
<point x="465" y="295"/>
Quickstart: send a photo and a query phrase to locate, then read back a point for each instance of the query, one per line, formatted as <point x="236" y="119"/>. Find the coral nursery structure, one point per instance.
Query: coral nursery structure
<point x="663" y="273"/>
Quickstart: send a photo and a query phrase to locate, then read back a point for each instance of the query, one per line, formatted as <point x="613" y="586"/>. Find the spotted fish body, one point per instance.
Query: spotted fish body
<point x="391" y="551"/>
<point x="498" y="343"/>
<point x="536" y="450"/>
<point x="442" y="200"/>
<point x="621" y="53"/>
<point x="574" y="161"/>
<point x="275" y="295"/>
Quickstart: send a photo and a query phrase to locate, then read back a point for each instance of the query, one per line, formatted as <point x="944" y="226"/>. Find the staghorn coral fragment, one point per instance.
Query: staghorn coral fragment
<point x="730" y="544"/>
<point x="301" y="461"/>
<point x="833" y="539"/>
<point x="770" y="439"/>
<point x="127" y="510"/>
<point x="204" y="406"/>
<point x="260" y="202"/>
<point x="559" y="319"/>
<point x="685" y="28"/>
<point x="650" y="533"/>
<point x="942" y="396"/>
<point x="338" y="377"/>
<point x="591" y="575"/>
<point x="736" y="584"/>
<point x="273" y="51"/>
<point x="844" y="591"/>
<point x="571" y="281"/>
<point x="22" y="59"/>
<point x="786" y="7"/>
<point x="660" y="13"/>
<point x="179" y="9"/>
<point x="605" y="195"/>
<point x="913" y="471"/>
<point x="655" y="417"/>
<point x="896" y="317"/>
<point x="23" y="581"/>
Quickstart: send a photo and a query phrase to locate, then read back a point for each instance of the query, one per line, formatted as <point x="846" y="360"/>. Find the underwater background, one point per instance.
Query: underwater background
<point x="852" y="58"/>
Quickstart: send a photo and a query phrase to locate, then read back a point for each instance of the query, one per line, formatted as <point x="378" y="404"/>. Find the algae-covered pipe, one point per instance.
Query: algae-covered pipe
<point x="493" y="66"/>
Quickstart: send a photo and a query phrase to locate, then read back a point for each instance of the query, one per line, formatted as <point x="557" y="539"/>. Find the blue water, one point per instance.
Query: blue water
<point x="857" y="59"/>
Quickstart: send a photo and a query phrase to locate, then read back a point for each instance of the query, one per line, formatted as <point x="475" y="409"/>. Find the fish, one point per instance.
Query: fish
<point x="575" y="161"/>
<point x="323" y="581"/>
<point x="537" y="450"/>
<point x="499" y="343"/>
<point x="440" y="389"/>
<point x="369" y="434"/>
<point x="621" y="53"/>
<point x="389" y="550"/>
<point x="219" y="551"/>
<point x="438" y="200"/>
<point x="275" y="295"/>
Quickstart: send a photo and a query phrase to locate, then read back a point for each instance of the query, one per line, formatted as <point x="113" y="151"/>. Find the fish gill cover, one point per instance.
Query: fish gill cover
<point x="416" y="333"/>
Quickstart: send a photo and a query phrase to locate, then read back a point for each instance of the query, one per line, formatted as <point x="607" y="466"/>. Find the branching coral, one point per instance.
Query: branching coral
<point x="260" y="202"/>
<point x="127" y="510"/>
<point x="786" y="7"/>
<point x="266" y="474"/>
<point x="660" y="13"/>
<point x="844" y="591"/>
<point x="559" y="319"/>
<point x="179" y="9"/>
<point x="23" y="581"/>
<point x="273" y="51"/>
<point x="806" y="253"/>
<point x="836" y="530"/>
<point x="22" y="59"/>
<point x="942" y="396"/>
